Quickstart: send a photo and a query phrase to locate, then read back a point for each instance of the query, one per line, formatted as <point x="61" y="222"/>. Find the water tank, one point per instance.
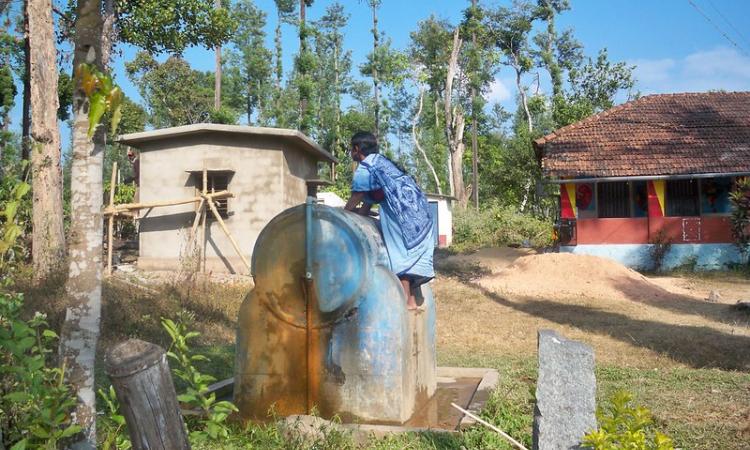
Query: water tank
<point x="326" y="329"/>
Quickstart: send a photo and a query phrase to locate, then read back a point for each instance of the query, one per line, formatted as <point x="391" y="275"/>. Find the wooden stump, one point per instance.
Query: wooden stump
<point x="141" y="378"/>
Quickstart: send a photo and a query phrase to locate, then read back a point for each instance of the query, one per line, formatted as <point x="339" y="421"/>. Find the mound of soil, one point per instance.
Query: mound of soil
<point x="568" y="275"/>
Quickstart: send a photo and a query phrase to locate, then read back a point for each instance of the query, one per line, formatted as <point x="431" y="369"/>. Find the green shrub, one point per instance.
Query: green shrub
<point x="35" y="402"/>
<point x="625" y="426"/>
<point x="497" y="226"/>
<point x="211" y="423"/>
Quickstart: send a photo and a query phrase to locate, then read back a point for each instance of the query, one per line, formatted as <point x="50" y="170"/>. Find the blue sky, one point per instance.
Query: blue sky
<point x="675" y="48"/>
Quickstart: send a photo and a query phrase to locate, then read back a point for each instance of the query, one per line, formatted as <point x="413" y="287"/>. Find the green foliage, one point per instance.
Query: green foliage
<point x="15" y="207"/>
<point x="497" y="226"/>
<point x="174" y="93"/>
<point x="65" y="88"/>
<point x="740" y="220"/>
<point x="593" y="87"/>
<point x="212" y="424"/>
<point x="170" y="26"/>
<point x="111" y="423"/>
<point x="627" y="427"/>
<point x="125" y="192"/>
<point x="222" y="115"/>
<point x="35" y="401"/>
<point x="103" y="95"/>
<point x="248" y="73"/>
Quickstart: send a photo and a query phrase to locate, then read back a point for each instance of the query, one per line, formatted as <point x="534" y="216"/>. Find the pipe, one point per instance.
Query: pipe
<point x="308" y="236"/>
<point x="648" y="177"/>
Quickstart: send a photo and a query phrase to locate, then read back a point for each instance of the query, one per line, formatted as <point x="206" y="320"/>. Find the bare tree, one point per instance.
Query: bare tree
<point x="454" y="125"/>
<point x="414" y="135"/>
<point x="48" y="233"/>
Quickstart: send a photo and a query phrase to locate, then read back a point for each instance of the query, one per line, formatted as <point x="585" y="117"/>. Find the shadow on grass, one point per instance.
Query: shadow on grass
<point x="658" y="297"/>
<point x="692" y="345"/>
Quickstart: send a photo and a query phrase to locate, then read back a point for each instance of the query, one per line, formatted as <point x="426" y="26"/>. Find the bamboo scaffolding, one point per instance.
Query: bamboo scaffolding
<point x="204" y="218"/>
<point x="204" y="199"/>
<point x="111" y="217"/>
<point x="116" y="209"/>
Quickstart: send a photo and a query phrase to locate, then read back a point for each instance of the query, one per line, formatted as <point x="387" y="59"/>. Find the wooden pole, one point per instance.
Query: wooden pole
<point x="131" y="206"/>
<point x="204" y="216"/>
<point x="141" y="378"/>
<point x="111" y="217"/>
<point x="226" y="231"/>
<point x="490" y="426"/>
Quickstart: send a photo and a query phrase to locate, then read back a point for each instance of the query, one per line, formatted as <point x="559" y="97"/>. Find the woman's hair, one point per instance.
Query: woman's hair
<point x="366" y="142"/>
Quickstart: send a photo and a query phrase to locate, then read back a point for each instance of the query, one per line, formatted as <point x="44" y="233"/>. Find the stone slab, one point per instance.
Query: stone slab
<point x="565" y="394"/>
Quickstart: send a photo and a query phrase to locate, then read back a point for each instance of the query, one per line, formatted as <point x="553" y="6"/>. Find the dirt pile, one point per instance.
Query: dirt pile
<point x="568" y="275"/>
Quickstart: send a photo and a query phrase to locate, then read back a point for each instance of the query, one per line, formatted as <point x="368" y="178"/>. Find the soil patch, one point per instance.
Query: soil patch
<point x="628" y="318"/>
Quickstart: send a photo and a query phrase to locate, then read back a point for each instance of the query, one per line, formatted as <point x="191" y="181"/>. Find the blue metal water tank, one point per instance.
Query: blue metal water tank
<point x="326" y="328"/>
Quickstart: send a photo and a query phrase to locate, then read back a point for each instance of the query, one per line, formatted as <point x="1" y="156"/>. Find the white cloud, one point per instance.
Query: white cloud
<point x="498" y="92"/>
<point x="720" y="68"/>
<point x="653" y="71"/>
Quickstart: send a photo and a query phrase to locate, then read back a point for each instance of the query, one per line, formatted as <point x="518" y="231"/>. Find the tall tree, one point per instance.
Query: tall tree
<point x="332" y="76"/>
<point x="305" y="67"/>
<point x="80" y="331"/>
<point x="510" y="28"/>
<point x="174" y="93"/>
<point x="284" y="14"/>
<point x="48" y="233"/>
<point x="217" y="69"/>
<point x="593" y="87"/>
<point x="479" y="67"/>
<point x="8" y="49"/>
<point x="454" y="124"/>
<point x="557" y="53"/>
<point x="168" y="25"/>
<point x="26" y="106"/>
<point x="374" y="5"/>
<point x="250" y="60"/>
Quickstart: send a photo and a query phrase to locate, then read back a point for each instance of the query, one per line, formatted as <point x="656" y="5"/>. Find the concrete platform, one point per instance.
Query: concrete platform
<point x="469" y="388"/>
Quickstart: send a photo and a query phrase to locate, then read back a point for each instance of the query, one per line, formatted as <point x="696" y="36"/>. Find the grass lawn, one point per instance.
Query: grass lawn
<point x="683" y="359"/>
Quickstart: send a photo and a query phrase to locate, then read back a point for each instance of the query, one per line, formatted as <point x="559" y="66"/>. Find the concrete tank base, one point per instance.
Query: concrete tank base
<point x="469" y="388"/>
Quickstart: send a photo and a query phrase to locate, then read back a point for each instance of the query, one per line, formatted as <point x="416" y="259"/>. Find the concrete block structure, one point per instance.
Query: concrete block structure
<point x="442" y="214"/>
<point x="264" y="168"/>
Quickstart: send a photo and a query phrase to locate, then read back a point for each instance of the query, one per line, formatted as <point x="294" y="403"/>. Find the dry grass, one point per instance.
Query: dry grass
<point x="686" y="359"/>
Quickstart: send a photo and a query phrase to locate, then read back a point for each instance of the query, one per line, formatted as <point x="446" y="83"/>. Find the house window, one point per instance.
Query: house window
<point x="217" y="181"/>
<point x="715" y="195"/>
<point x="613" y="199"/>
<point x="682" y="198"/>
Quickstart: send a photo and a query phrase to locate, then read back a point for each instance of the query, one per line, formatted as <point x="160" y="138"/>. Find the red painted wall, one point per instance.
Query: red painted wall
<point x="613" y="231"/>
<point x="699" y="230"/>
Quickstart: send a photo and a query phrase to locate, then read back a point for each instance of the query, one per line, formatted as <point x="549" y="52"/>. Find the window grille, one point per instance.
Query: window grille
<point x="613" y="199"/>
<point x="682" y="198"/>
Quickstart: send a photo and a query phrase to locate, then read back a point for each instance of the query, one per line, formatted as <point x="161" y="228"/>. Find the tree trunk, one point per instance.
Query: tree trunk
<point x="454" y="127"/>
<point x="474" y="147"/>
<point x="337" y="89"/>
<point x="522" y="93"/>
<point x="26" y="108"/>
<point x="80" y="331"/>
<point x="416" y="141"/>
<point x="48" y="233"/>
<point x="303" y="72"/>
<point x="375" y="81"/>
<point x="217" y="77"/>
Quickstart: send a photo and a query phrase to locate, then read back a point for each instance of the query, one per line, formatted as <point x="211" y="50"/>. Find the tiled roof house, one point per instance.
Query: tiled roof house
<point x="660" y="165"/>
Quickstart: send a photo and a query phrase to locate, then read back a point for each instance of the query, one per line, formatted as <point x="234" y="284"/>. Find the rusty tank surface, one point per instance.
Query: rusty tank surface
<point x="326" y="329"/>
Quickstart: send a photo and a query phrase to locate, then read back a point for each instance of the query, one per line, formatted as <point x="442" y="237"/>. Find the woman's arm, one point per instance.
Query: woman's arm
<point x="355" y="199"/>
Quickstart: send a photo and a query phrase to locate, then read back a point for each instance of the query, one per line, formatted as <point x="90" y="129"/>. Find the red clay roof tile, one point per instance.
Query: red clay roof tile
<point x="665" y="134"/>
